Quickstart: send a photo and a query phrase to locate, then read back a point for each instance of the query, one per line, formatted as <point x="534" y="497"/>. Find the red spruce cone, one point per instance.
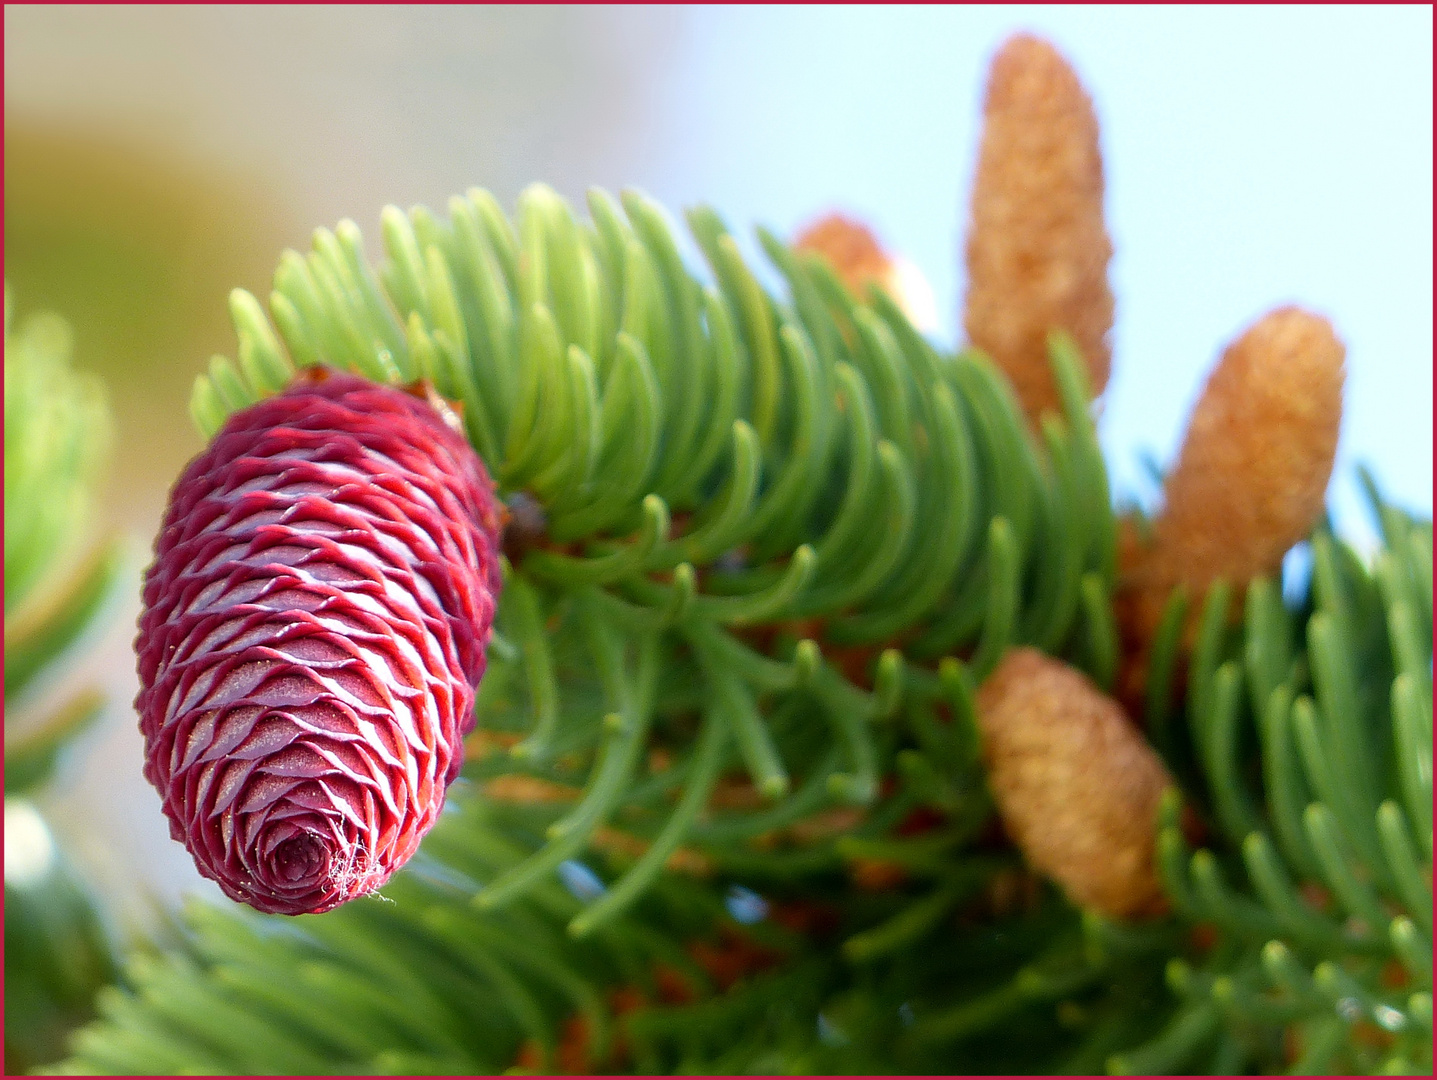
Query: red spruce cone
<point x="313" y="631"/>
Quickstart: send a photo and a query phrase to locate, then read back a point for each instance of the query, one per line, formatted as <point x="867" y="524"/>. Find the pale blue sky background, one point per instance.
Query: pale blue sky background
<point x="1255" y="156"/>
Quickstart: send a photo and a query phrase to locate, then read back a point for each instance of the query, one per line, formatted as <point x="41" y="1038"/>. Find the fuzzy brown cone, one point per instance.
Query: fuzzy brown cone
<point x="851" y="248"/>
<point x="859" y="261"/>
<point x="1075" y="783"/>
<point x="1038" y="249"/>
<point x="1252" y="473"/>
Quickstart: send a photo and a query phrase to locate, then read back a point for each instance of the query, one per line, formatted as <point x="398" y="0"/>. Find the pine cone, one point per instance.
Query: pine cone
<point x="1075" y="783"/>
<point x="313" y="630"/>
<point x="1038" y="249"/>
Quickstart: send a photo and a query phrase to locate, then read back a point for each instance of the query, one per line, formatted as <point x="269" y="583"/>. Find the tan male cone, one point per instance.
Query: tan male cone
<point x="1038" y="250"/>
<point x="1251" y="477"/>
<point x="1076" y="784"/>
<point x="859" y="260"/>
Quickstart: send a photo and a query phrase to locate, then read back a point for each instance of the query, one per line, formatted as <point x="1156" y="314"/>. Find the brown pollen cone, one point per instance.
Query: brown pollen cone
<point x="859" y="260"/>
<point x="1252" y="473"/>
<point x="1076" y="785"/>
<point x="1038" y="249"/>
<point x="851" y="248"/>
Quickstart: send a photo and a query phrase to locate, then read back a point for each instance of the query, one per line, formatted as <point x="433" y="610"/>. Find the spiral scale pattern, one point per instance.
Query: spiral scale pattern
<point x="313" y="630"/>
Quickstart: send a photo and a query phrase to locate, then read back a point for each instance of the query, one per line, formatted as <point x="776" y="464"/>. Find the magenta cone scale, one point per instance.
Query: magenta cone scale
<point x="313" y="630"/>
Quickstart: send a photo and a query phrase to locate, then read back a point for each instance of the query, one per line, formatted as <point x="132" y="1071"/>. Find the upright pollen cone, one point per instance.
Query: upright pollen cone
<point x="1038" y="250"/>
<point x="859" y="261"/>
<point x="314" y="627"/>
<point x="1076" y="784"/>
<point x="1252" y="474"/>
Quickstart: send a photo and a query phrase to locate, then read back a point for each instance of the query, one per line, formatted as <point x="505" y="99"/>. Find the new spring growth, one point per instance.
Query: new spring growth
<point x="1253" y="469"/>
<point x="859" y="261"/>
<point x="1076" y="785"/>
<point x="1038" y="249"/>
